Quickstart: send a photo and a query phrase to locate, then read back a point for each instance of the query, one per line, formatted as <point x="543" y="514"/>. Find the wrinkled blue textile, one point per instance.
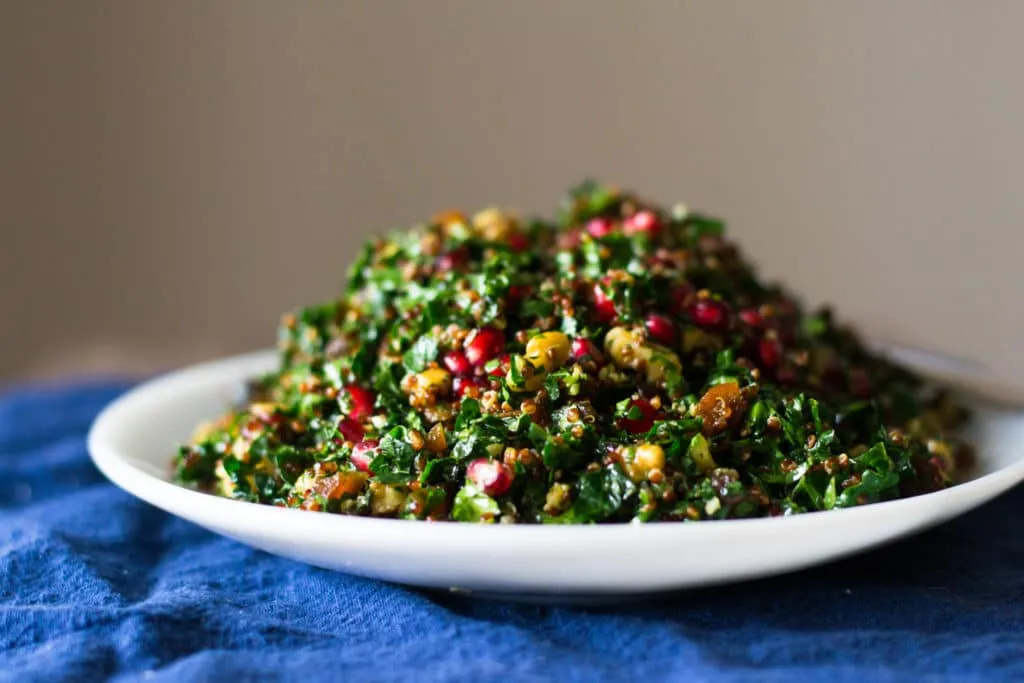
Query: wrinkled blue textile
<point x="95" y="585"/>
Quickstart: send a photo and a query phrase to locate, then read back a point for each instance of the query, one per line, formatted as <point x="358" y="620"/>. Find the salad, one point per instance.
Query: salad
<point x="619" y="363"/>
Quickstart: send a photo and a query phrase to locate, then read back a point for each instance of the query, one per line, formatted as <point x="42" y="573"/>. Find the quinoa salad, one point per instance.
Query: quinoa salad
<point x="621" y="362"/>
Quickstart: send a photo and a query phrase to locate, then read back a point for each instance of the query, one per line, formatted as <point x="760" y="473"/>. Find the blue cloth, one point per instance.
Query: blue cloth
<point x="95" y="585"/>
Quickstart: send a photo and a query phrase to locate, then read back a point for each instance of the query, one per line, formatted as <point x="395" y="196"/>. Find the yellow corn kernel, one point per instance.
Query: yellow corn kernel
<point x="549" y="350"/>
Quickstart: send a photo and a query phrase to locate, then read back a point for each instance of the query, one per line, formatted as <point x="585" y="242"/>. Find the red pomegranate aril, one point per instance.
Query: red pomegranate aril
<point x="490" y="476"/>
<point x="486" y="344"/>
<point x="786" y="334"/>
<point x="351" y="429"/>
<point x="710" y="315"/>
<point x="460" y="385"/>
<point x="501" y="369"/>
<point x="785" y="375"/>
<point x="582" y="348"/>
<point x="681" y="296"/>
<point x="451" y="260"/>
<point x="363" y="454"/>
<point x="860" y="383"/>
<point x="603" y="305"/>
<point x="751" y="316"/>
<point x="642" y="222"/>
<point x="517" y="242"/>
<point x="769" y="350"/>
<point x="660" y="329"/>
<point x="569" y="240"/>
<point x="361" y="401"/>
<point x="786" y="308"/>
<point x="643" y="423"/>
<point x="456" y="362"/>
<point x="599" y="227"/>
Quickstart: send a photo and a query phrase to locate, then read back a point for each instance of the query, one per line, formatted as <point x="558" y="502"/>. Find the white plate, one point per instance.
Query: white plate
<point x="133" y="440"/>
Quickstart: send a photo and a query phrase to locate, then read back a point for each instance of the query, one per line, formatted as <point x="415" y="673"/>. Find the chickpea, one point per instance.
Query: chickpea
<point x="529" y="378"/>
<point x="625" y="347"/>
<point x="264" y="410"/>
<point x="549" y="350"/>
<point x="435" y="380"/>
<point x="662" y="362"/>
<point x="649" y="456"/>
<point x="385" y="500"/>
<point x="447" y="218"/>
<point x="643" y="459"/>
<point x="225" y="486"/>
<point x="557" y="499"/>
<point x="629" y="350"/>
<point x="493" y="225"/>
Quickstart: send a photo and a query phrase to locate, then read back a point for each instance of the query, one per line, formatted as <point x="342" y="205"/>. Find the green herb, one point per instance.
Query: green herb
<point x="621" y="363"/>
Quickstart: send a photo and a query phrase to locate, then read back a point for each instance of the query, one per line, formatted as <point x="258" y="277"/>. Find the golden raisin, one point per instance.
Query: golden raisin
<point x="720" y="407"/>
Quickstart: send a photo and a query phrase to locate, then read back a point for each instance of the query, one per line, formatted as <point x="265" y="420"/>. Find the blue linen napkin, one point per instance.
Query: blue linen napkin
<point x="95" y="585"/>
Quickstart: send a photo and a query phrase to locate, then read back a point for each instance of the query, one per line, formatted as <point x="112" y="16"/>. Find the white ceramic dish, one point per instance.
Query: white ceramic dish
<point x="133" y="441"/>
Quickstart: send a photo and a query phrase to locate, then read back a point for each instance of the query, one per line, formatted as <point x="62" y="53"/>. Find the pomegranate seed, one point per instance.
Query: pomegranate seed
<point x="710" y="314"/>
<point x="350" y="429"/>
<point x="452" y="260"/>
<point x="642" y="222"/>
<point x="769" y="350"/>
<point x="786" y="334"/>
<point x="833" y="371"/>
<point x="582" y="348"/>
<point x="486" y="344"/>
<point x="517" y="242"/>
<point x="363" y="454"/>
<point x="599" y="227"/>
<point x="751" y="316"/>
<point x="860" y="383"/>
<point x="501" y="369"/>
<point x="786" y="308"/>
<point x="785" y="375"/>
<point x="660" y="329"/>
<point x="603" y="304"/>
<point x="569" y="240"/>
<point x="490" y="476"/>
<point x="456" y="362"/>
<point x="643" y="423"/>
<point x="462" y="384"/>
<point x="681" y="295"/>
<point x="361" y="401"/>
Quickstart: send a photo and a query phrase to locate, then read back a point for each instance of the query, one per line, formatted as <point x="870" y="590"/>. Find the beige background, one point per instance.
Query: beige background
<point x="159" y="161"/>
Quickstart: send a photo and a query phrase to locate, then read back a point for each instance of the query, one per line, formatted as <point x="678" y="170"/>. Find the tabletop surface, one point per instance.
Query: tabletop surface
<point x="95" y="585"/>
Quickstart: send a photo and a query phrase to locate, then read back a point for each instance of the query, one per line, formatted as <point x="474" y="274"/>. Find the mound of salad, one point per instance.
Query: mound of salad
<point x="620" y="363"/>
